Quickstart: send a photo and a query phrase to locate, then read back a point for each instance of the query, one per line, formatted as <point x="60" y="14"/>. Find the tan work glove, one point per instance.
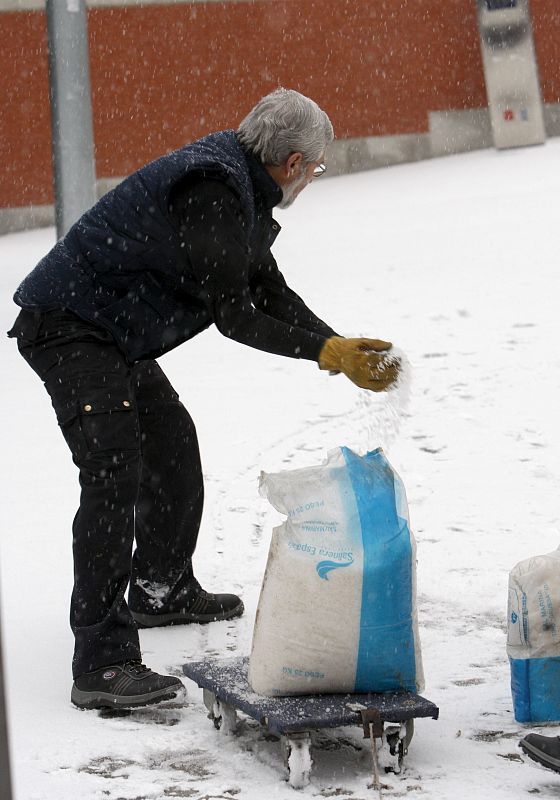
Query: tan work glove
<point x="365" y="361"/>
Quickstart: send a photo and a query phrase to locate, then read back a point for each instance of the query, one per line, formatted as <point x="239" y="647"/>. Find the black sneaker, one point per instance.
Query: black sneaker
<point x="194" y="605"/>
<point x="124" y="686"/>
<point x="543" y="749"/>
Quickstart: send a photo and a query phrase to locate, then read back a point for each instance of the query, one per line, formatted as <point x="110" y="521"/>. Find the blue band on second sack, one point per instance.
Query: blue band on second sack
<point x="535" y="689"/>
<point x="386" y="659"/>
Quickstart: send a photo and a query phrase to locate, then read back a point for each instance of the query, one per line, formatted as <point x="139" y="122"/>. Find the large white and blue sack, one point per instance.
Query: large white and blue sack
<point x="337" y="611"/>
<point x="533" y="639"/>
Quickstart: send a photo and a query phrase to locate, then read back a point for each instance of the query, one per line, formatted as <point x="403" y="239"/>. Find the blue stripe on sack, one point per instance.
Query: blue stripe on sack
<point x="520" y="689"/>
<point x="386" y="660"/>
<point x="535" y="689"/>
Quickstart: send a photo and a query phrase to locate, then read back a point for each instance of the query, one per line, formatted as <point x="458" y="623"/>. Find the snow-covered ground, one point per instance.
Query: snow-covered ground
<point x="456" y="262"/>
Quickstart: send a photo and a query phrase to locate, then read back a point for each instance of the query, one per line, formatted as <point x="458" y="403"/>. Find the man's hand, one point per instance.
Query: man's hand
<point x="366" y="362"/>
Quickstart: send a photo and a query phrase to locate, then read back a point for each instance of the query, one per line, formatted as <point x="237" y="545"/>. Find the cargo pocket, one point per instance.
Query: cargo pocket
<point x="108" y="421"/>
<point x="95" y="419"/>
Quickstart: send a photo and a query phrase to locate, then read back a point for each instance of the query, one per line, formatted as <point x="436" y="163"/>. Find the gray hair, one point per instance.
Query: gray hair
<point x="286" y="122"/>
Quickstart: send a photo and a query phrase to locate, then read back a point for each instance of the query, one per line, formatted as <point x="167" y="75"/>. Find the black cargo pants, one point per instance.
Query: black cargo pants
<point x="137" y="451"/>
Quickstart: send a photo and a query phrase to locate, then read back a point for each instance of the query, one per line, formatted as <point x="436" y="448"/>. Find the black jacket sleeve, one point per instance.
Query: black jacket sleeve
<point x="272" y="295"/>
<point x="211" y="224"/>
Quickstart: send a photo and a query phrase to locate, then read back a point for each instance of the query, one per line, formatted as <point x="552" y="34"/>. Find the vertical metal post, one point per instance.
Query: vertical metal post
<point x="5" y="776"/>
<point x="72" y="127"/>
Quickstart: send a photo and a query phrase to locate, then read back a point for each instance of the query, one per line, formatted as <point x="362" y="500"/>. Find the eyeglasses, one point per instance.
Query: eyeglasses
<point x="319" y="170"/>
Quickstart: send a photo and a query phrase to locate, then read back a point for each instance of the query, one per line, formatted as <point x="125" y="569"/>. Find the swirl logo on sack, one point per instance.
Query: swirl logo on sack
<point x="324" y="567"/>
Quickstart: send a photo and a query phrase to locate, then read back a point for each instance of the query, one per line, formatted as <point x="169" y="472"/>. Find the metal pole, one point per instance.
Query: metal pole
<point x="5" y="778"/>
<point x="71" y="116"/>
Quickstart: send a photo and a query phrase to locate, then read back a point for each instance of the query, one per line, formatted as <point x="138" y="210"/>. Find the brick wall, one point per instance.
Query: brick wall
<point x="163" y="75"/>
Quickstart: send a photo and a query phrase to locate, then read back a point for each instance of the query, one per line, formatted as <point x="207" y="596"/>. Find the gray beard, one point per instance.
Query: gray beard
<point x="289" y="193"/>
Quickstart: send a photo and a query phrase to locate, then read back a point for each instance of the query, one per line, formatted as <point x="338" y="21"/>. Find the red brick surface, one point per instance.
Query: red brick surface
<point x="163" y="75"/>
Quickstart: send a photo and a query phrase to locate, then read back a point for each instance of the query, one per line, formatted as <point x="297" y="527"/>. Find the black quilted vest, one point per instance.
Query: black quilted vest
<point x="122" y="265"/>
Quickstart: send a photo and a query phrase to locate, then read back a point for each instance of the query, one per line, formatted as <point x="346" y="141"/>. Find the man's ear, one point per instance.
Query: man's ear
<point x="293" y="164"/>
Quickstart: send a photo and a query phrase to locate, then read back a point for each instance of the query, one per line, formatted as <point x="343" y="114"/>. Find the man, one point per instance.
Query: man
<point x="182" y="243"/>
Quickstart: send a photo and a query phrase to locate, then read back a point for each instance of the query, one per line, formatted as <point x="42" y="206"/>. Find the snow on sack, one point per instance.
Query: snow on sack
<point x="533" y="638"/>
<point x="337" y="610"/>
